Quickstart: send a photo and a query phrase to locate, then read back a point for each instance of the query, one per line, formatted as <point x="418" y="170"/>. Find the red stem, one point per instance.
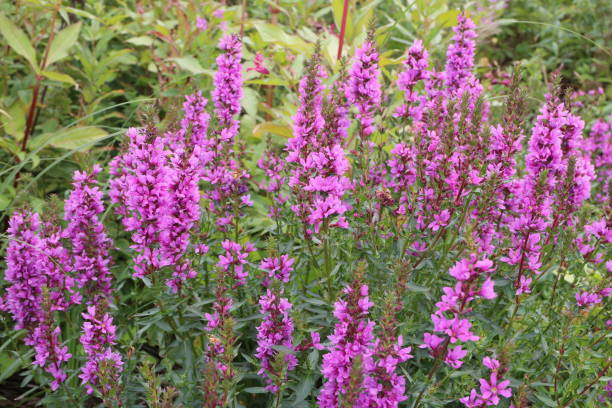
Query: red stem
<point x="343" y="27"/>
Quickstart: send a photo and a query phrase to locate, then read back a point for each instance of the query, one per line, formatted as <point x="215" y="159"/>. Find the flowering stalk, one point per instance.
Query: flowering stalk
<point x="460" y="54"/>
<point x="183" y="211"/>
<point x="139" y="188"/>
<point x="473" y="279"/>
<point x="277" y="327"/>
<point x="363" y="89"/>
<point x="317" y="175"/>
<point x="103" y="368"/>
<point x="534" y="193"/>
<point x="386" y="386"/>
<point x="415" y="71"/>
<point x="352" y="338"/>
<point x="228" y="180"/>
<point x="219" y="352"/>
<point x="90" y="243"/>
<point x="38" y="287"/>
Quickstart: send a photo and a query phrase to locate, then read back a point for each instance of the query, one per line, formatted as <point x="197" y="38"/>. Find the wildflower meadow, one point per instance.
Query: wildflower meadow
<point x="370" y="204"/>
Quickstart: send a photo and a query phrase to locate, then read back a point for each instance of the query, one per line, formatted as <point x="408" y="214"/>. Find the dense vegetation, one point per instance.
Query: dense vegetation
<point x="254" y="204"/>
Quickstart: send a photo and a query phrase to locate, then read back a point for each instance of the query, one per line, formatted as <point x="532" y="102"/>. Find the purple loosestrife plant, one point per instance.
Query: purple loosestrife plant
<point x="276" y="328"/>
<point x="219" y="352"/>
<point x="384" y="384"/>
<point x="415" y="71"/>
<point x="140" y="190"/>
<point x="491" y="388"/>
<point x="363" y="90"/>
<point x="187" y="158"/>
<point x="352" y="338"/>
<point x="460" y="55"/>
<point x="533" y="193"/>
<point x="228" y="180"/>
<point x="318" y="163"/>
<point x="38" y="287"/>
<point x="103" y="368"/>
<point x="473" y="280"/>
<point x="90" y="244"/>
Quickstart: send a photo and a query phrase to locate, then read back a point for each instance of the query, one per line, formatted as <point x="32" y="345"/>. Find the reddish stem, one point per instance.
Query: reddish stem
<point x="343" y="27"/>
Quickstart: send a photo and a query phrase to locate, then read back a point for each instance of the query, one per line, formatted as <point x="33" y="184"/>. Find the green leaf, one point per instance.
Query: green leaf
<point x="58" y="76"/>
<point x="18" y="41"/>
<point x="275" y="128"/>
<point x="249" y="101"/>
<point x="255" y="390"/>
<point x="547" y="401"/>
<point x="274" y="34"/>
<point x="77" y="137"/>
<point x="338" y="9"/>
<point x="62" y="43"/>
<point x="267" y="81"/>
<point x="192" y="65"/>
<point x="142" y="40"/>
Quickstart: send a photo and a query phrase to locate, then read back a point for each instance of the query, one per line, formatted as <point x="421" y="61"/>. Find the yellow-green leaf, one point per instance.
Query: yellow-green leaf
<point x="142" y="40"/>
<point x="271" y="33"/>
<point x="192" y="65"/>
<point x="76" y="138"/>
<point x="270" y="127"/>
<point x="62" y="43"/>
<point x="58" y="76"/>
<point x="338" y="9"/>
<point x="267" y="81"/>
<point x="18" y="40"/>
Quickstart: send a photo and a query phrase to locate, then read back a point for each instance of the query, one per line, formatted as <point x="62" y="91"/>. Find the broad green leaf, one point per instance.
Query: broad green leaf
<point x="192" y="65"/>
<point x="447" y="19"/>
<point x="76" y="137"/>
<point x="249" y="101"/>
<point x="14" y="123"/>
<point x="142" y="40"/>
<point x="267" y="81"/>
<point x="8" y="145"/>
<point x="271" y="33"/>
<point x="18" y="40"/>
<point x="58" y="76"/>
<point x="62" y="43"/>
<point x="255" y="390"/>
<point x="275" y="128"/>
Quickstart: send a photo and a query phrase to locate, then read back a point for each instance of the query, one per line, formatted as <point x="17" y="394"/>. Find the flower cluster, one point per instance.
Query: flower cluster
<point x="188" y="155"/>
<point x="277" y="327"/>
<point x="416" y="70"/>
<point x="89" y="241"/>
<point x="363" y="90"/>
<point x="139" y="188"/>
<point x="352" y="338"/>
<point x="317" y="176"/>
<point x="103" y="366"/>
<point x="38" y="288"/>
<point x="533" y="194"/>
<point x="491" y="389"/>
<point x="473" y="277"/>
<point x="460" y="54"/>
<point x="234" y="259"/>
<point x="227" y="179"/>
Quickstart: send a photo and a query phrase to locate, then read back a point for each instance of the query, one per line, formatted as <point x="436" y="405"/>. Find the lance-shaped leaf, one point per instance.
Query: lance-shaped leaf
<point x="18" y="40"/>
